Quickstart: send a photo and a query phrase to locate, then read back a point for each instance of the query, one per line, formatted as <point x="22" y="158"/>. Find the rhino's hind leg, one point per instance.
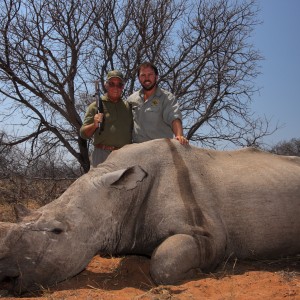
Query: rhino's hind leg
<point x="176" y="259"/>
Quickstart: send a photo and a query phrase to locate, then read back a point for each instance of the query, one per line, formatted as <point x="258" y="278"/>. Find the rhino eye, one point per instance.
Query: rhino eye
<point x="57" y="231"/>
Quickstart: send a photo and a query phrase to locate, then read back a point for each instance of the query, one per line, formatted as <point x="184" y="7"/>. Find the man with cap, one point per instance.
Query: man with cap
<point x="117" y="124"/>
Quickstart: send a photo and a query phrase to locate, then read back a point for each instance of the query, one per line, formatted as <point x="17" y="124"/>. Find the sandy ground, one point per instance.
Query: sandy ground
<point x="128" y="278"/>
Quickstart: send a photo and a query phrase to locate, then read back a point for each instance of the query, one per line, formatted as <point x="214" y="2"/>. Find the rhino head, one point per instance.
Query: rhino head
<point x="38" y="251"/>
<point x="58" y="240"/>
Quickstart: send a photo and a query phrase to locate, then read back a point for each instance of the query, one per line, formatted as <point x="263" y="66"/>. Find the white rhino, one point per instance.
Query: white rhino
<point x="186" y="208"/>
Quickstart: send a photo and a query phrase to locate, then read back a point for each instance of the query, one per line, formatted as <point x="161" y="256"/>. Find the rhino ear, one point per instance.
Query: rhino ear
<point x="21" y="211"/>
<point x="124" y="178"/>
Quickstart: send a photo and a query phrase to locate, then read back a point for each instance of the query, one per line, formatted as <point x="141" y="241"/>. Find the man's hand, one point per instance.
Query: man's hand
<point x="98" y="118"/>
<point x="178" y="132"/>
<point x="182" y="140"/>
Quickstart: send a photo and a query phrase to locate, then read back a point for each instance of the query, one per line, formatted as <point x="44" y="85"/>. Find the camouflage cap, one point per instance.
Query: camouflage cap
<point x="115" y="74"/>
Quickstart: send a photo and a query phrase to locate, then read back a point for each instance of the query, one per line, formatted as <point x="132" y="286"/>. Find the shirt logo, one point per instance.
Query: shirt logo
<point x="155" y="102"/>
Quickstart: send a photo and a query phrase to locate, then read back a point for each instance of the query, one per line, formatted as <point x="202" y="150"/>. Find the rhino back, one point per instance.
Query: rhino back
<point x="247" y="199"/>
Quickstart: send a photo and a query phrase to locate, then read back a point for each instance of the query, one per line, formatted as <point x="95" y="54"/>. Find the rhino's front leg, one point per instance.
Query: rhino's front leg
<point x="178" y="258"/>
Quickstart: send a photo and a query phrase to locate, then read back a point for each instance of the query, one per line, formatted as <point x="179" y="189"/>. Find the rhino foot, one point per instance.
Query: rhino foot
<point x="176" y="259"/>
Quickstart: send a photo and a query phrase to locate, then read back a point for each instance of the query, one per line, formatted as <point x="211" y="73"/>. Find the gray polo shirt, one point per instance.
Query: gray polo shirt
<point x="153" y="119"/>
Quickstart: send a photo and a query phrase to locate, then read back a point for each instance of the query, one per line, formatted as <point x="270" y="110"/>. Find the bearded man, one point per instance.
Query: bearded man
<point x="156" y="112"/>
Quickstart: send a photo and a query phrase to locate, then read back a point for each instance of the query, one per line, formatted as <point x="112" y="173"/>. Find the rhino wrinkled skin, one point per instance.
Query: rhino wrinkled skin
<point x="187" y="208"/>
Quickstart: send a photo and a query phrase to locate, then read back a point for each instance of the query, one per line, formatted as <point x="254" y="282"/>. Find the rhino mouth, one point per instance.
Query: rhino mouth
<point x="15" y="285"/>
<point x="9" y="283"/>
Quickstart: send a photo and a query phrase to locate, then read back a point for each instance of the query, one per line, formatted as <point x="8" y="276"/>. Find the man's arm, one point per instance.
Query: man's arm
<point x="90" y="128"/>
<point x="178" y="132"/>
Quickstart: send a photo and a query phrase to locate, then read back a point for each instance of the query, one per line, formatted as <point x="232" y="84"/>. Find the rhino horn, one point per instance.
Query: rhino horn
<point x="9" y="234"/>
<point x="4" y="231"/>
<point x="21" y="211"/>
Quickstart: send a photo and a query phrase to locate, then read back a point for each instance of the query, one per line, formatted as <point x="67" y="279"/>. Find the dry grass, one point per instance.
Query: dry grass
<point x="32" y="193"/>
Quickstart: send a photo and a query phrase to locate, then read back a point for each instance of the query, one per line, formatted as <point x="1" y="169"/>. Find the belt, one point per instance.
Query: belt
<point x="104" y="147"/>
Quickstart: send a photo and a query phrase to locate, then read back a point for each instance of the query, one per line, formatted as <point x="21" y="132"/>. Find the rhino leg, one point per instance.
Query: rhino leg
<point x="178" y="258"/>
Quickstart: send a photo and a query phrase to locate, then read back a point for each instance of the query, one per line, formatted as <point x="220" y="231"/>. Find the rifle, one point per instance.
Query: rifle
<point x="99" y="104"/>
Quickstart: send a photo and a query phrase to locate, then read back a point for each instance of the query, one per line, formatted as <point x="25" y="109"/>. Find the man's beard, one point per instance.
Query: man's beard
<point x="149" y="87"/>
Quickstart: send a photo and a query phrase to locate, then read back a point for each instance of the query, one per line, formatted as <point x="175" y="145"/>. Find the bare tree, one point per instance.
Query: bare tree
<point x="52" y="51"/>
<point x="212" y="72"/>
<point x="291" y="147"/>
<point x="43" y="44"/>
<point x="53" y="164"/>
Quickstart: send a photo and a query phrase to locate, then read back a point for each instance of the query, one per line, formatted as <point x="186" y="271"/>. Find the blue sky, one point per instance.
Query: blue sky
<point x="278" y="40"/>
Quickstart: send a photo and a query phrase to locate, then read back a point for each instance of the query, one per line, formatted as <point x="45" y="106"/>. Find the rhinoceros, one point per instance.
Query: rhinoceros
<point x="186" y="208"/>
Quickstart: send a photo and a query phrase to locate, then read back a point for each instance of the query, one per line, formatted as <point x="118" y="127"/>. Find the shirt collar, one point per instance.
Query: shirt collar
<point x="157" y="93"/>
